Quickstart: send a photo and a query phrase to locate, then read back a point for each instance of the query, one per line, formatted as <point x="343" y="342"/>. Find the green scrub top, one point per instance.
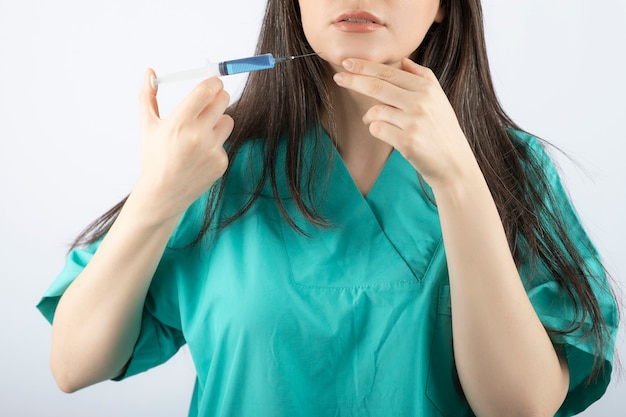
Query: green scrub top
<point x="354" y="320"/>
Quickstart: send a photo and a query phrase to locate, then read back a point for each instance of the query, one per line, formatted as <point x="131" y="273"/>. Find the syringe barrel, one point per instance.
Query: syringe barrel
<point x="236" y="66"/>
<point x="253" y="63"/>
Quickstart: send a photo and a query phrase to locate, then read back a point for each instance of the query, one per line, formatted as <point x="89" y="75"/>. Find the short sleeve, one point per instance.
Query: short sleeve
<point x="556" y="310"/>
<point x="160" y="335"/>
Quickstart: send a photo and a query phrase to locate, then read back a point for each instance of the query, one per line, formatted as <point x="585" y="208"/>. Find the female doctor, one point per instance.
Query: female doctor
<point x="373" y="238"/>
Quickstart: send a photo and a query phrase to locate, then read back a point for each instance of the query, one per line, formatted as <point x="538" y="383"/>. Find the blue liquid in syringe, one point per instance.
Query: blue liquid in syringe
<point x="253" y="63"/>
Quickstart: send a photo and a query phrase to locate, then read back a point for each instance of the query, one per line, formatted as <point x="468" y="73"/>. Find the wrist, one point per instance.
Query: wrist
<point x="469" y="184"/>
<point x="152" y="208"/>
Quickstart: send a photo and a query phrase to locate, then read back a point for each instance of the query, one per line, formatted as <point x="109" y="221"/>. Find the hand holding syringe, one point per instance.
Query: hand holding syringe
<point x="183" y="153"/>
<point x="237" y="66"/>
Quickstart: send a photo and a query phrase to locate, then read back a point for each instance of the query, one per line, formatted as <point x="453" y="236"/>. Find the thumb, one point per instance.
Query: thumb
<point x="148" y="106"/>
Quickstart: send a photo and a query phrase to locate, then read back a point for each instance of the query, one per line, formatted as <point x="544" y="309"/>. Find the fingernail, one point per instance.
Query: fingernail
<point x="348" y="64"/>
<point x="153" y="82"/>
<point x="339" y="78"/>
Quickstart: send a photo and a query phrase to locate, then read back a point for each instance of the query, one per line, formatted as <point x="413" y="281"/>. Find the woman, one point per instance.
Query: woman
<point x="379" y="238"/>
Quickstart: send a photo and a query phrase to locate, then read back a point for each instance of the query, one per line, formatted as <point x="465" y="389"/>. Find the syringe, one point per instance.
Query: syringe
<point x="236" y="66"/>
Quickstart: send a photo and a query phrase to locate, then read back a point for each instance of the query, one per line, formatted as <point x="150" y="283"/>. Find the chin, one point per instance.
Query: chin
<point x="335" y="58"/>
<point x="335" y="51"/>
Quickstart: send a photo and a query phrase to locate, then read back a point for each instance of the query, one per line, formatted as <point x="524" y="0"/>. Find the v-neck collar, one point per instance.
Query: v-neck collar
<point x="404" y="209"/>
<point x="395" y="226"/>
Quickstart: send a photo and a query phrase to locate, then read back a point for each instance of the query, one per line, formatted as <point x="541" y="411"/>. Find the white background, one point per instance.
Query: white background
<point x="70" y="73"/>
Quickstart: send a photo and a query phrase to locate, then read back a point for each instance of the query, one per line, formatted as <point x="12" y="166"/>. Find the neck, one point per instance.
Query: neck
<point x="363" y="154"/>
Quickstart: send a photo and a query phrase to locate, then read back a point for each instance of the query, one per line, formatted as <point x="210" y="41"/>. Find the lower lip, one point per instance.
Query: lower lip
<point x="357" y="27"/>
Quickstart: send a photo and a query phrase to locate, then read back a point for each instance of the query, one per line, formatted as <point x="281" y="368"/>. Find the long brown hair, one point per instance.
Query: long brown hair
<point x="455" y="50"/>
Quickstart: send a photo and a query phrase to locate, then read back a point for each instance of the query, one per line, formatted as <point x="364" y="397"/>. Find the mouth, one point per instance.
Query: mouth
<point x="358" y="17"/>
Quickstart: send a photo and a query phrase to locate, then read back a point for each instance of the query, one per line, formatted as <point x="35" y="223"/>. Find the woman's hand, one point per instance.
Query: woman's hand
<point x="414" y="116"/>
<point x="183" y="154"/>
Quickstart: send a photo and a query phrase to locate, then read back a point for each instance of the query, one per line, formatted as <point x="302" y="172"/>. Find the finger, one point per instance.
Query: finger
<point x="390" y="125"/>
<point x="389" y="114"/>
<point x="199" y="98"/>
<point x="419" y="70"/>
<point x="223" y="128"/>
<point x="376" y="88"/>
<point x="148" y="106"/>
<point x="388" y="133"/>
<point x="395" y="76"/>
<point x="215" y="109"/>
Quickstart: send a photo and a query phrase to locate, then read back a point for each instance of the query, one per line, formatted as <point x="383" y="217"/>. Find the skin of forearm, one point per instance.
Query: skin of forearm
<point x="506" y="362"/>
<point x="98" y="318"/>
